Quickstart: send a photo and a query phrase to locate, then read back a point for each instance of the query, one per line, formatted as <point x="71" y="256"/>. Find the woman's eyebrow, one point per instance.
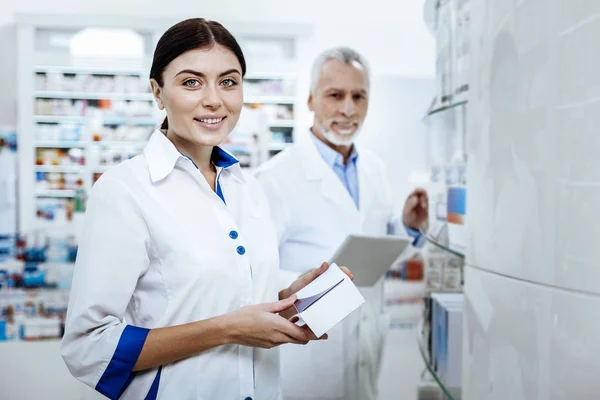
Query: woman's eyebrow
<point x="202" y="75"/>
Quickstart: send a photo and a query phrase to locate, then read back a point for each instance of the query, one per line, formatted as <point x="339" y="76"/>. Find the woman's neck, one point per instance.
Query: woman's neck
<point x="201" y="155"/>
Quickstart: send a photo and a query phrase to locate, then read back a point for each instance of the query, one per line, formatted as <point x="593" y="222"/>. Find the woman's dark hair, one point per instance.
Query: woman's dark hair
<point x="194" y="33"/>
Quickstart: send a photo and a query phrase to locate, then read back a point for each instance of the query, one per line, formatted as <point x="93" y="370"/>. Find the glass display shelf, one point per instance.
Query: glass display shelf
<point x="445" y="108"/>
<point x="444" y="247"/>
<point x="450" y="393"/>
<point x="437" y="243"/>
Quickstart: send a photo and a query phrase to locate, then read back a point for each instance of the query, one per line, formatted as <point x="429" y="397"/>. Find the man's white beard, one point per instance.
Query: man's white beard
<point x="340" y="140"/>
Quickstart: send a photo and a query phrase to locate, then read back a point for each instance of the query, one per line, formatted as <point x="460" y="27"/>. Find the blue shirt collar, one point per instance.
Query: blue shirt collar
<point x="222" y="159"/>
<point x="219" y="157"/>
<point x="331" y="156"/>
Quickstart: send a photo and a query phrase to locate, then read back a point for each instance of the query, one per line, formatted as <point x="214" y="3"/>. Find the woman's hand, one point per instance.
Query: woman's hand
<point x="261" y="326"/>
<point x="303" y="281"/>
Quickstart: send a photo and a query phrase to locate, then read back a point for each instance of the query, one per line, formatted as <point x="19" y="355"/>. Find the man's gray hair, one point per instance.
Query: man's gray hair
<point x="343" y="54"/>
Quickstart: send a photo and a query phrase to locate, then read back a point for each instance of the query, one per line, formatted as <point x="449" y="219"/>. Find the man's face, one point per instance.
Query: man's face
<point x="339" y="102"/>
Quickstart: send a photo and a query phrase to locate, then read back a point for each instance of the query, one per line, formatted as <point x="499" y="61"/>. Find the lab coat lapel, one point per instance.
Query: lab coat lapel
<point x="330" y="187"/>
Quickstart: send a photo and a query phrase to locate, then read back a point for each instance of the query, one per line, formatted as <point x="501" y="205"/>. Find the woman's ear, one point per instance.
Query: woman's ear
<point x="157" y="92"/>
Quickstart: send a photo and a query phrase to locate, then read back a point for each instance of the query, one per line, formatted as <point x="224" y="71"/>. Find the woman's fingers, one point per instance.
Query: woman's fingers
<point x="280" y="305"/>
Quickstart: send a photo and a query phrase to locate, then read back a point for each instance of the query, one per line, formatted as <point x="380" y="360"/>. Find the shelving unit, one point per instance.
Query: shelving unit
<point x="442" y="246"/>
<point x="60" y="144"/>
<point x="56" y="193"/>
<point x="445" y="262"/>
<point x="445" y="126"/>
<point x="447" y="107"/>
<point x="60" y="168"/>
<point x="42" y="94"/>
<point x="449" y="392"/>
<point x="281" y="123"/>
<point x="79" y="119"/>
<point x="279" y="146"/>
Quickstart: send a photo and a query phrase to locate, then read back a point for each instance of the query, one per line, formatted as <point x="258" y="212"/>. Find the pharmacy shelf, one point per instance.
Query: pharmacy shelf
<point x="43" y="94"/>
<point x="59" y="144"/>
<point x="279" y="146"/>
<point x="60" y="168"/>
<point x="55" y="193"/>
<point x="271" y="83"/>
<point x="281" y="123"/>
<point x="269" y="100"/>
<point x="450" y="393"/>
<point x="74" y="70"/>
<point x="79" y="119"/>
<point x="119" y="143"/>
<point x="56" y="119"/>
<point x="430" y="291"/>
<point x="100" y="169"/>
<point x="446" y="108"/>
<point x="442" y="246"/>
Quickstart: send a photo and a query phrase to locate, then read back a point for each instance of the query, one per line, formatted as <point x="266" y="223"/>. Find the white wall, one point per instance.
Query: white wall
<point x="394" y="129"/>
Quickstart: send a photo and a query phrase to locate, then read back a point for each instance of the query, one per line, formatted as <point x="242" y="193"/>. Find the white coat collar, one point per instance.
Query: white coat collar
<point x="162" y="156"/>
<point x="315" y="168"/>
<point x="313" y="164"/>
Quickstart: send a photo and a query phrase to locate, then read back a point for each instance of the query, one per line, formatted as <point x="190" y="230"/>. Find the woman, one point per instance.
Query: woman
<point x="174" y="294"/>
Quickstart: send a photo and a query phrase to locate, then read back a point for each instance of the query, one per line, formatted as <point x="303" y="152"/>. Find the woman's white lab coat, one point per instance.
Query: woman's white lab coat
<point x="159" y="249"/>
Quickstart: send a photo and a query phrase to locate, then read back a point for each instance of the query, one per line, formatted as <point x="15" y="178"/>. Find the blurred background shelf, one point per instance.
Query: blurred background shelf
<point x="443" y="246"/>
<point x="60" y="168"/>
<point x="81" y="119"/>
<point x="98" y="111"/>
<point x="55" y="193"/>
<point x="60" y="144"/>
<point x="119" y="143"/>
<point x="450" y="393"/>
<point x="447" y="107"/>
<point x="74" y="70"/>
<point x="42" y="94"/>
<point x="279" y="146"/>
<point x="281" y="123"/>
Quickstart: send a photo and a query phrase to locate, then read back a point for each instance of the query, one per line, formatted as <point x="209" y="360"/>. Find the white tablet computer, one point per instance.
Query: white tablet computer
<point x="369" y="257"/>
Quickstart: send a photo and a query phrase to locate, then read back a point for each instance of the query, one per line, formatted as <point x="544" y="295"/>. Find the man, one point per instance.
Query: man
<point x="321" y="190"/>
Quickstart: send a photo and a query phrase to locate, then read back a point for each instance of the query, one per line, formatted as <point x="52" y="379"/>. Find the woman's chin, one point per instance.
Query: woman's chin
<point x="213" y="138"/>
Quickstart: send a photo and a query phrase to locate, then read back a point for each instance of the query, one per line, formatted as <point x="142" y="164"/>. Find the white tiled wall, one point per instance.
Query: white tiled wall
<point x="533" y="284"/>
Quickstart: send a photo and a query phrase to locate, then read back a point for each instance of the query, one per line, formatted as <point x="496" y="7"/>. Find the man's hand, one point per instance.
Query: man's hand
<point x="416" y="211"/>
<point x="303" y="281"/>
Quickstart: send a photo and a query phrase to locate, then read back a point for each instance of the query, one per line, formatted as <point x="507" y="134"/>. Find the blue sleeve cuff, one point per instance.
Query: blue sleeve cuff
<point x="419" y="238"/>
<point x="119" y="373"/>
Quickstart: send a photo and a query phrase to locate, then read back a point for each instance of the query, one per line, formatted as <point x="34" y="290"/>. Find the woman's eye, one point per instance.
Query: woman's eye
<point x="228" y="82"/>
<point x="192" y="83"/>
